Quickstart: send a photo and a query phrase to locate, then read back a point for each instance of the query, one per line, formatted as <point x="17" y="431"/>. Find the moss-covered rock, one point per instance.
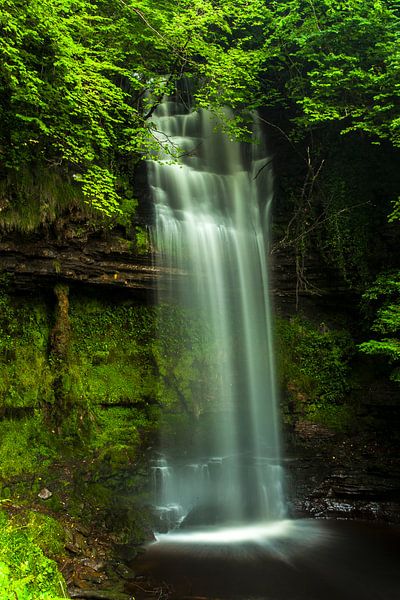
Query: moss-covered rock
<point x="25" y="569"/>
<point x="82" y="380"/>
<point x="314" y="371"/>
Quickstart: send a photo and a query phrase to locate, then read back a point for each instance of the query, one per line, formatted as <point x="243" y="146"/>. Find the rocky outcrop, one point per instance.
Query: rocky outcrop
<point x="77" y="257"/>
<point x="336" y="477"/>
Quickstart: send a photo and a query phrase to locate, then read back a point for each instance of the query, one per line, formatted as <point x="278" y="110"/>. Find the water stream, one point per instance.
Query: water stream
<point x="212" y="225"/>
<point x="226" y="534"/>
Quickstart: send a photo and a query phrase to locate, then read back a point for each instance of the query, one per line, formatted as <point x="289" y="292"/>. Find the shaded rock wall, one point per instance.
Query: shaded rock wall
<point x="81" y="256"/>
<point x="75" y="253"/>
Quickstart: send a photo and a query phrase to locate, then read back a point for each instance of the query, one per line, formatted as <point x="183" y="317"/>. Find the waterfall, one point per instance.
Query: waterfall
<point x="211" y="232"/>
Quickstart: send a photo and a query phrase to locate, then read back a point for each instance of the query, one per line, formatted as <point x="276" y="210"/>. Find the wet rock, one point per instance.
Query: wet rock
<point x="76" y="542"/>
<point x="308" y="429"/>
<point x="127" y="552"/>
<point x="82" y="529"/>
<point x="336" y="509"/>
<point x="353" y="478"/>
<point x="86" y="575"/>
<point x="72" y="548"/>
<point x="124" y="571"/>
<point x="96" y="565"/>
<point x="45" y="494"/>
<point x="98" y="594"/>
<point x="37" y="260"/>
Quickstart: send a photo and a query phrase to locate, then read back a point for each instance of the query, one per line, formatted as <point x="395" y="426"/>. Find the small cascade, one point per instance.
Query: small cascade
<point x="211" y="226"/>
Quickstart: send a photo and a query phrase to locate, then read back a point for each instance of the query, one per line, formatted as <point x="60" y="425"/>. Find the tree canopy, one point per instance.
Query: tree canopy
<point x="78" y="79"/>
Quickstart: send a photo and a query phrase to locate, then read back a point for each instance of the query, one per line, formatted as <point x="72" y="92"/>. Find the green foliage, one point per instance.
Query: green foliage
<point x="383" y="298"/>
<point x="313" y="368"/>
<point x="350" y="207"/>
<point x="142" y="240"/>
<point x="338" y="62"/>
<point x="78" y="81"/>
<point x="336" y="417"/>
<point x="99" y="189"/>
<point x="126" y="215"/>
<point x="26" y="446"/>
<point x="67" y="112"/>
<point x="25" y="572"/>
<point x="330" y="83"/>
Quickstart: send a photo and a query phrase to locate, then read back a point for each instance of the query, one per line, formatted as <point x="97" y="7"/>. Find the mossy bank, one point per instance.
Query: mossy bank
<point x="85" y="381"/>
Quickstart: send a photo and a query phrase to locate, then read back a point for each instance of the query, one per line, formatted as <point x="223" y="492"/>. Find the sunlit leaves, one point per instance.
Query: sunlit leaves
<point x="385" y="295"/>
<point x="98" y="187"/>
<point x="342" y="63"/>
<point x="81" y="79"/>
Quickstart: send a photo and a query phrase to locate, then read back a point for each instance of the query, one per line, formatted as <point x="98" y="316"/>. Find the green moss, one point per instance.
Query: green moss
<point x="27" y="380"/>
<point x="111" y="352"/>
<point x="314" y="371"/>
<point x="118" y="381"/>
<point x="26" y="572"/>
<point x="25" y="375"/>
<point x="26" y="446"/>
<point x="31" y="198"/>
<point x="336" y="417"/>
<point x="128" y="210"/>
<point x="116" y="434"/>
<point x="121" y="360"/>
<point x="110" y="363"/>
<point x="183" y="353"/>
<point x="43" y="530"/>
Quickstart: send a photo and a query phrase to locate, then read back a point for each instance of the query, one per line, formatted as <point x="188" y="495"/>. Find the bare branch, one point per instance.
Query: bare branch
<point x="269" y="162"/>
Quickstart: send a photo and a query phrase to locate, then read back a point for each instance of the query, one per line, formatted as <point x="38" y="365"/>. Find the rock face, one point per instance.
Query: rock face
<point x="76" y="254"/>
<point x="343" y="478"/>
<point x="43" y="258"/>
<point x="326" y="479"/>
<point x="318" y="286"/>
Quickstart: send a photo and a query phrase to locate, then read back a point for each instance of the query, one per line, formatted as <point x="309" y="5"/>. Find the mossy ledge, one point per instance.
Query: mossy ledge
<point x="82" y="379"/>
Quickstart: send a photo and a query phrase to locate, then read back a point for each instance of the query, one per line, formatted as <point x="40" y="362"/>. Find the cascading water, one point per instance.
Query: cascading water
<point x="211" y="215"/>
<point x="210" y="212"/>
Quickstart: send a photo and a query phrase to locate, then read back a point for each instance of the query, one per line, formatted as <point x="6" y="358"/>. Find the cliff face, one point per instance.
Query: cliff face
<point x="113" y="263"/>
<point x="72" y="252"/>
<point x="76" y="256"/>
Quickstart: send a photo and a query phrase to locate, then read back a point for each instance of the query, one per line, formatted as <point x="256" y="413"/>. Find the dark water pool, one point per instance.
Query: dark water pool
<point x="286" y="560"/>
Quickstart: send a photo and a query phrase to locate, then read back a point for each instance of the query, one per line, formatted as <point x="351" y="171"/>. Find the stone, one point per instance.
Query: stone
<point x="98" y="594"/>
<point x="45" y="494"/>
<point x="96" y="565"/>
<point x="124" y="571"/>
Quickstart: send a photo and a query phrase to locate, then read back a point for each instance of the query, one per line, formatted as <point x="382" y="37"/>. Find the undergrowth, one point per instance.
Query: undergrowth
<point x="314" y="371"/>
<point x="26" y="573"/>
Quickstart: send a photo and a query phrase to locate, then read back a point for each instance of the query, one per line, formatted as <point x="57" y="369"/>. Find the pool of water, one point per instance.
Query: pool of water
<point x="283" y="560"/>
